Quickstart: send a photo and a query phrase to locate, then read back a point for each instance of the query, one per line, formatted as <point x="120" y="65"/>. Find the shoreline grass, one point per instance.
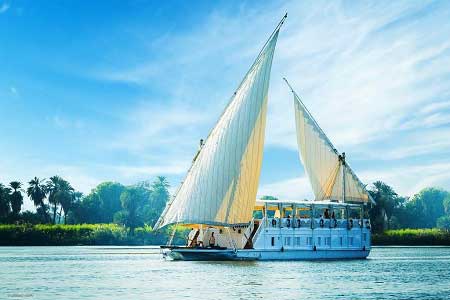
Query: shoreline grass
<point x="81" y="234"/>
<point x="412" y="237"/>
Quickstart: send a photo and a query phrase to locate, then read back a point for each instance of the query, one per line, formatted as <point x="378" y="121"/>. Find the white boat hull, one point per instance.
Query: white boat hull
<point x="302" y="254"/>
<point x="254" y="254"/>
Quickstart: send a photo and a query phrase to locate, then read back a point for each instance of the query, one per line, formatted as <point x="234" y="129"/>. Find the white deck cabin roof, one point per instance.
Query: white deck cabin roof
<point x="284" y="203"/>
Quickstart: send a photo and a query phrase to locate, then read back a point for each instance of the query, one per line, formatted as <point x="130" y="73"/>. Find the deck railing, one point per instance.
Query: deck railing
<point x="316" y="223"/>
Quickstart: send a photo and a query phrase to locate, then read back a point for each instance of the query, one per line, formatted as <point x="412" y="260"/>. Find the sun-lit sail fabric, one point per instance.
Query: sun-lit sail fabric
<point x="221" y="186"/>
<point x="327" y="170"/>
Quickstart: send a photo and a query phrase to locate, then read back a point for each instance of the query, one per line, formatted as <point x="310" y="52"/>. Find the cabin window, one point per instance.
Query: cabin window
<point x="309" y="241"/>
<point x="319" y="241"/>
<point x="287" y="241"/>
<point x="328" y="241"/>
<point x="340" y="240"/>
<point x="350" y="241"/>
<point x="273" y="241"/>
<point x="364" y="237"/>
<point x="297" y="241"/>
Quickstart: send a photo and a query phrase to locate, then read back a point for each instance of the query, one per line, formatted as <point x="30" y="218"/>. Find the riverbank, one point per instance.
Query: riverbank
<point x="112" y="234"/>
<point x="412" y="237"/>
<point x="83" y="234"/>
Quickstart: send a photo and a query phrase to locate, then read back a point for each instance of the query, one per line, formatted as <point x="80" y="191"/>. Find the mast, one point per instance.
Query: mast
<point x="342" y="160"/>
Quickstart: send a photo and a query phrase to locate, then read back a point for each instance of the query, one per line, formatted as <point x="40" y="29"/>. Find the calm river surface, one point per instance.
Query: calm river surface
<point x="140" y="273"/>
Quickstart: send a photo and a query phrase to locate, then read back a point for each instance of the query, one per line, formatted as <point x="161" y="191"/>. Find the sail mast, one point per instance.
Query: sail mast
<point x="342" y="160"/>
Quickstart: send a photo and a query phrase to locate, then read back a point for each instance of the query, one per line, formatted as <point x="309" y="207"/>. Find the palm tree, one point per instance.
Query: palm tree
<point x="65" y="197"/>
<point x="159" y="197"/>
<point x="60" y="193"/>
<point x="386" y="199"/>
<point x="52" y="189"/>
<point x="16" y="197"/>
<point x="5" y="207"/>
<point x="37" y="191"/>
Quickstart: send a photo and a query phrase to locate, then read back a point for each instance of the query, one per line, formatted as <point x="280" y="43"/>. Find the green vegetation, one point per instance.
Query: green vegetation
<point x="412" y="237"/>
<point x="57" y="202"/>
<point x="110" y="214"/>
<point x="84" y="234"/>
<point x="427" y="209"/>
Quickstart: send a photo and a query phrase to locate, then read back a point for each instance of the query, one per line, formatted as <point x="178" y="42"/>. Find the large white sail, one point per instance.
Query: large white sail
<point x="330" y="176"/>
<point x="221" y="186"/>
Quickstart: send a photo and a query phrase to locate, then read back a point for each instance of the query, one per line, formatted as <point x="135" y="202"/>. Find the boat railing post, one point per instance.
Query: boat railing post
<point x="361" y="226"/>
<point x="281" y="216"/>
<point x="294" y="216"/>
<point x="312" y="209"/>
<point x="330" y="221"/>
<point x="265" y="215"/>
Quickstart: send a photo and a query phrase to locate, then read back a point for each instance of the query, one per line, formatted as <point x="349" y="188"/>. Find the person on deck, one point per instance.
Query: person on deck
<point x="212" y="240"/>
<point x="326" y="214"/>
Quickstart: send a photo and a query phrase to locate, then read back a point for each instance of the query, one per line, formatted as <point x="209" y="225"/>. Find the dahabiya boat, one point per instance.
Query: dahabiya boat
<point x="217" y="199"/>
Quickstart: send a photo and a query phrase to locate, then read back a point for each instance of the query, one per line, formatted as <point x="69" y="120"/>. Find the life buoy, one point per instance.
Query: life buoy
<point x="321" y="223"/>
<point x="334" y="224"/>
<point x="274" y="222"/>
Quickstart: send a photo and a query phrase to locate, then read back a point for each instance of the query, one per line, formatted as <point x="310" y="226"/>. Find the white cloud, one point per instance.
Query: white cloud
<point x="408" y="180"/>
<point x="168" y="132"/>
<point x="172" y="167"/>
<point x="416" y="150"/>
<point x="435" y="106"/>
<point x="423" y="143"/>
<point x="363" y="73"/>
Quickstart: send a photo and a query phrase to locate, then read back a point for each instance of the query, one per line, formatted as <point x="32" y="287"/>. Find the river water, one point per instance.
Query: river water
<point x="140" y="273"/>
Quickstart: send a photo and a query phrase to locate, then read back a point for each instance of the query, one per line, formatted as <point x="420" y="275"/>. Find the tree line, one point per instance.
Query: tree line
<point x="429" y="208"/>
<point x="56" y="201"/>
<point x="138" y="205"/>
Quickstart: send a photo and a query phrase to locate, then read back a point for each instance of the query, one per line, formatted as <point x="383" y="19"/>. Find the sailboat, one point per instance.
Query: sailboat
<point x="217" y="199"/>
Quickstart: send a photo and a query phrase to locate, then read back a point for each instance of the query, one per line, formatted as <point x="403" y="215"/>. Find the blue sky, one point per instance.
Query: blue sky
<point x="123" y="90"/>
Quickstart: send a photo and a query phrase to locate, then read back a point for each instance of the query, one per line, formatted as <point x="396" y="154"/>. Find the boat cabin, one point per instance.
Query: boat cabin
<point x="280" y="224"/>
